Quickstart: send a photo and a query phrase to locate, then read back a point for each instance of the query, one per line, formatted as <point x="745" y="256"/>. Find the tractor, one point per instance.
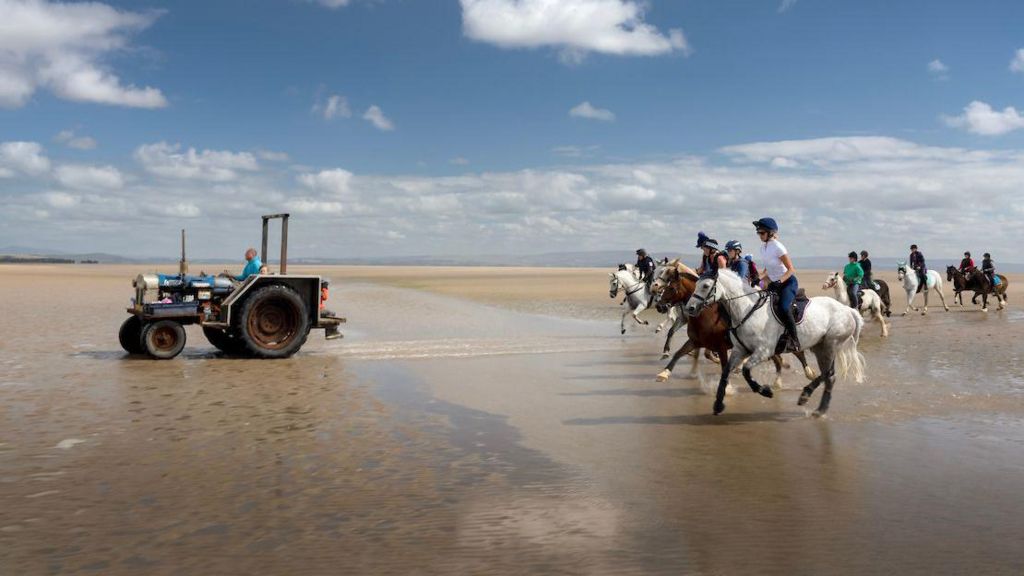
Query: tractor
<point x="263" y="316"/>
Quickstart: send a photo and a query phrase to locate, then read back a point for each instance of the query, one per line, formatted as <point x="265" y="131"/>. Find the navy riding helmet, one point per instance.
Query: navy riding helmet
<point x="701" y="239"/>
<point x="734" y="245"/>
<point x="767" y="224"/>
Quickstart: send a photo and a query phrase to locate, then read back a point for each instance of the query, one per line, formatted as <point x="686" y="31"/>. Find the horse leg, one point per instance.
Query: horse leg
<point x="911" y="295"/>
<point x="636" y="314"/>
<point x="826" y="396"/>
<point x="668" y="339"/>
<point x="808" y="371"/>
<point x="754" y="361"/>
<point x="735" y="359"/>
<point x="808" y="390"/>
<point x="984" y="301"/>
<point x="622" y="323"/>
<point x="777" y="383"/>
<point x="686" y="349"/>
<point x="876" y="308"/>
<point x="925" y="310"/>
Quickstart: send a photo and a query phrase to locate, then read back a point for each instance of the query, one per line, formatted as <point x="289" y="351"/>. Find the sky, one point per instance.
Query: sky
<point x="462" y="127"/>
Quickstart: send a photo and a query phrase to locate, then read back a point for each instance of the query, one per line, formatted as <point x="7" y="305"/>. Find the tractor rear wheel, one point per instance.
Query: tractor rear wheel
<point x="274" y="322"/>
<point x="225" y="341"/>
<point x="163" y="339"/>
<point x="130" y="335"/>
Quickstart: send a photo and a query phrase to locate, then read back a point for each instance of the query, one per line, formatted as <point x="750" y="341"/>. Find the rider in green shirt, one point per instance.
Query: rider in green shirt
<point x="853" y="276"/>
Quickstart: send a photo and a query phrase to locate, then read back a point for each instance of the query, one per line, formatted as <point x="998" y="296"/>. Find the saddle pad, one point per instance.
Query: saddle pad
<point x="799" y="306"/>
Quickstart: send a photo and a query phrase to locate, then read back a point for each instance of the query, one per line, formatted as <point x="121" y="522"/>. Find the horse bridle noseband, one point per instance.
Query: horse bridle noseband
<point x="762" y="298"/>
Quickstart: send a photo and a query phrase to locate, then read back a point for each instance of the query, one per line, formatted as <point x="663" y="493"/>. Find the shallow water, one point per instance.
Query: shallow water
<point x="445" y="436"/>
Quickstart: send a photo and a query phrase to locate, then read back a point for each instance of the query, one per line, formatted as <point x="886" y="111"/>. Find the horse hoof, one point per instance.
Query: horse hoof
<point x="766" y="391"/>
<point x="984" y="309"/>
<point x="819" y="414"/>
<point x="719" y="408"/>
<point x="803" y="399"/>
<point x="663" y="375"/>
<point x="664" y="355"/>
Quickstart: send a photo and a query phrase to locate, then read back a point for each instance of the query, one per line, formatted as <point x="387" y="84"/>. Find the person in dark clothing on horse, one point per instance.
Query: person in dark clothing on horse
<point x="988" y="268"/>
<point x="714" y="258"/>
<point x="918" y="265"/>
<point x="737" y="263"/>
<point x="967" y="263"/>
<point x="645" y="264"/>
<point x="853" y="277"/>
<point x="865" y="265"/>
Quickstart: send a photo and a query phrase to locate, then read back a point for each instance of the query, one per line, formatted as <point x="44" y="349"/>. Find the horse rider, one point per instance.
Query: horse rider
<point x="738" y="264"/>
<point x="780" y="273"/>
<point x="988" y="268"/>
<point x="713" y="258"/>
<point x="853" y="277"/>
<point x="966" y="264"/>
<point x="918" y="265"/>
<point x="702" y="238"/>
<point x="865" y="265"/>
<point x="645" y="264"/>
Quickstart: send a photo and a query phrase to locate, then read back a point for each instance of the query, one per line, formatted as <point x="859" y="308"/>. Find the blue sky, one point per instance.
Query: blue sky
<point x="483" y="153"/>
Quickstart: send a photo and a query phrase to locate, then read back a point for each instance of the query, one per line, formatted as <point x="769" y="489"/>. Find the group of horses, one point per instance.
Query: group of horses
<point x="737" y="324"/>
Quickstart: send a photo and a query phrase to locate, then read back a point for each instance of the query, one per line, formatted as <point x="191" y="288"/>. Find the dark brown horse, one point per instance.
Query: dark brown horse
<point x="709" y="329"/>
<point x="976" y="281"/>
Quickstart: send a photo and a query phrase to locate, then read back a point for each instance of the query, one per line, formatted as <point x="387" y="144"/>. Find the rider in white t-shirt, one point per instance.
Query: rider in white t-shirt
<point x="780" y="273"/>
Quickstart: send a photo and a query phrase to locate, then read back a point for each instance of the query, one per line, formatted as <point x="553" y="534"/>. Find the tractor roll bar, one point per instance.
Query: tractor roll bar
<point x="284" y="239"/>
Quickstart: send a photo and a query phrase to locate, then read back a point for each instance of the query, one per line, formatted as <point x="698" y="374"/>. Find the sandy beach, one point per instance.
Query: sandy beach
<point x="494" y="421"/>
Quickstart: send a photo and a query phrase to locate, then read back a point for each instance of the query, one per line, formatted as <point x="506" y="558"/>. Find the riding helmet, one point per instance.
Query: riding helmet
<point x="734" y="245"/>
<point x="701" y="239"/>
<point x="767" y="224"/>
<point x="852" y="255"/>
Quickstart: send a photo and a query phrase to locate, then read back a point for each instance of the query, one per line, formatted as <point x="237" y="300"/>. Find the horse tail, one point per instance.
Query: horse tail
<point x="850" y="363"/>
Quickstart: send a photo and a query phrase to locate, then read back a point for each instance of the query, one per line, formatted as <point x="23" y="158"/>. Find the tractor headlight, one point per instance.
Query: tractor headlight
<point x="203" y="294"/>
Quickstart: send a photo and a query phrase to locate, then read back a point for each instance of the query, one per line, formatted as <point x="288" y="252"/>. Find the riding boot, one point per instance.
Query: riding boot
<point x="790" y="342"/>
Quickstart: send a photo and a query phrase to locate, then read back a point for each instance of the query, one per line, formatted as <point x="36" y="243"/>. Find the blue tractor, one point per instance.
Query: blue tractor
<point x="264" y="316"/>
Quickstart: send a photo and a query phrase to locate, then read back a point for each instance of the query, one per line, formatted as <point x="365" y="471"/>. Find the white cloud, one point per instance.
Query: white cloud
<point x="169" y="161"/>
<point x="375" y="116"/>
<point x="590" y="112"/>
<point x="1017" y="64"/>
<point x="336" y="106"/>
<point x="334" y="3"/>
<point x="938" y="69"/>
<point x="70" y="139"/>
<point x="821" y="189"/>
<point x="62" y="46"/>
<point x="22" y="157"/>
<point x="576" y="27"/>
<point x="332" y="182"/>
<point x="84" y="177"/>
<point x="786" y="5"/>
<point x="981" y="118"/>
<point x="459" y="161"/>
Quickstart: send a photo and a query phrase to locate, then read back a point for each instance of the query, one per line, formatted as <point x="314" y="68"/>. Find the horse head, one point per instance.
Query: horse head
<point x="704" y="293"/>
<point x="901" y="270"/>
<point x="950" y="273"/>
<point x="830" y="281"/>
<point x="613" y="285"/>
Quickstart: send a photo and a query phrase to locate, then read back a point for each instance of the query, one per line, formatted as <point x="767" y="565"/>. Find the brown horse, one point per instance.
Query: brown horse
<point x="977" y="282"/>
<point x="710" y="329"/>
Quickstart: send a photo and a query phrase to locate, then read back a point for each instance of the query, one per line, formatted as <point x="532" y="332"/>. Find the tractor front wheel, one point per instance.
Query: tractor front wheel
<point x="163" y="339"/>
<point x="130" y="335"/>
<point x="274" y="322"/>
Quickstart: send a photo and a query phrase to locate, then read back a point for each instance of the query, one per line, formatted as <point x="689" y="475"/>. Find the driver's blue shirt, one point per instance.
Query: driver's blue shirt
<point x="252" y="268"/>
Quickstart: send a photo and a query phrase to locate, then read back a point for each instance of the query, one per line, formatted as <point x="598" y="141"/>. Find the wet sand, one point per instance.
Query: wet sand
<point x="493" y="421"/>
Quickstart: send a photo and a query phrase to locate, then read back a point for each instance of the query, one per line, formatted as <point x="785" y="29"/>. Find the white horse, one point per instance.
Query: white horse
<point x="828" y="329"/>
<point x="870" y="301"/>
<point x="910" y="284"/>
<point x="637" y="294"/>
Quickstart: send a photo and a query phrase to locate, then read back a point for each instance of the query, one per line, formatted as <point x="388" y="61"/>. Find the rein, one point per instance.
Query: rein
<point x="762" y="298"/>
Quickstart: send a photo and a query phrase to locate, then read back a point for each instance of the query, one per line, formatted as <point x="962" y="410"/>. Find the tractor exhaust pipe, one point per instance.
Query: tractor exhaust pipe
<point x="183" y="264"/>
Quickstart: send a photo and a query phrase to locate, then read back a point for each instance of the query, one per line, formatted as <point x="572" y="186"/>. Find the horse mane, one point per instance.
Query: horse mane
<point x="684" y="270"/>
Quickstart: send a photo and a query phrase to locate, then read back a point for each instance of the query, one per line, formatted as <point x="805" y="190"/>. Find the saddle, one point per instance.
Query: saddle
<point x="799" y="306"/>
